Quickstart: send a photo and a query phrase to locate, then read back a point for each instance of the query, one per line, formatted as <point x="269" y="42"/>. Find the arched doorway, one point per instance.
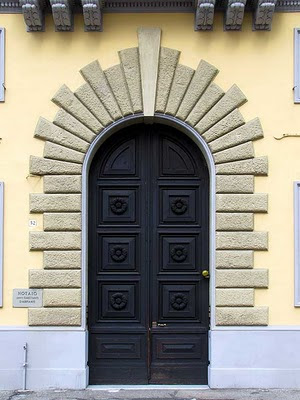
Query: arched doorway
<point x="148" y="247"/>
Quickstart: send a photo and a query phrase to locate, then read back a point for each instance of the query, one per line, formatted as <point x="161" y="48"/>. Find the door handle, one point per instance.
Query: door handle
<point x="205" y="274"/>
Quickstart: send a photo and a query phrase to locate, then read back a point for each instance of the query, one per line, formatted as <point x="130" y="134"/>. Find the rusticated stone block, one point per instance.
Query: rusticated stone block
<point x="242" y="202"/>
<point x="69" y="123"/>
<point x="240" y="152"/>
<point x="117" y="82"/>
<point x="234" y="297"/>
<point x="167" y="65"/>
<point x="62" y="184"/>
<point x="245" y="278"/>
<point x="62" y="297"/>
<point x="239" y="316"/>
<point x="234" y="184"/>
<point x="234" y="259"/>
<point x="55" y="240"/>
<point x="40" y="203"/>
<point x="44" y="166"/>
<point x="234" y="222"/>
<point x="131" y="66"/>
<point x="66" y="99"/>
<point x="89" y="98"/>
<point x="47" y="131"/>
<point x="232" y="121"/>
<point x="94" y="75"/>
<point x="54" y="316"/>
<point x="256" y="166"/>
<point x="62" y="221"/>
<point x="203" y="75"/>
<point x="39" y="278"/>
<point x="56" y="152"/>
<point x="181" y="81"/>
<point x="209" y="98"/>
<point x="69" y="259"/>
<point x="242" y="240"/>
<point x="232" y="99"/>
<point x="252" y="130"/>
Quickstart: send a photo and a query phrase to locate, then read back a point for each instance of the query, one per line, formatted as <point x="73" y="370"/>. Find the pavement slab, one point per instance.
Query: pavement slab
<point x="154" y="394"/>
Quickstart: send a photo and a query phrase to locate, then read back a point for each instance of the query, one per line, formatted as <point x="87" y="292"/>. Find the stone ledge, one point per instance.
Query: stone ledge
<point x="39" y="278"/>
<point x="62" y="297"/>
<point x="54" y="316"/>
<point x="69" y="259"/>
<point x="232" y="121"/>
<point x="55" y="240"/>
<point x="44" y="166"/>
<point x="234" y="259"/>
<point x="234" y="221"/>
<point x="62" y="222"/>
<point x="253" y="278"/>
<point x="71" y="124"/>
<point x="241" y="152"/>
<point x="40" y="203"/>
<point x="56" y="152"/>
<point x="256" y="166"/>
<point x="47" y="131"/>
<point x="242" y="316"/>
<point x="242" y="240"/>
<point x="252" y="130"/>
<point x="242" y="203"/>
<point x="117" y="82"/>
<point x="235" y="297"/>
<point x="66" y="99"/>
<point x="234" y="184"/>
<point x="63" y="184"/>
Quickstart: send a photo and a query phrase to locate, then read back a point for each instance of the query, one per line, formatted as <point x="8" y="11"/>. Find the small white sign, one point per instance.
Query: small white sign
<point x="28" y="298"/>
<point x="32" y="223"/>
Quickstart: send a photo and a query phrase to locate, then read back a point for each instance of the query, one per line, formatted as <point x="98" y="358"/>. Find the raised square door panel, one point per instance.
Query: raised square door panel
<point x="179" y="253"/>
<point x="178" y="205"/>
<point x="118" y="206"/>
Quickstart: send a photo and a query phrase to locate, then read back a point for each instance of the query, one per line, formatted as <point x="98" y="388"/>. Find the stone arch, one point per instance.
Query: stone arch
<point x="148" y="81"/>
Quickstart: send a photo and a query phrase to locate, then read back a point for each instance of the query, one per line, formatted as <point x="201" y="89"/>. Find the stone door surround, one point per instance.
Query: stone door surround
<point x="148" y="80"/>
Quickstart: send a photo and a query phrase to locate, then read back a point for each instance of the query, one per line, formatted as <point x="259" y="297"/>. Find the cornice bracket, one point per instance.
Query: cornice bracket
<point x="92" y="14"/>
<point x="204" y="15"/>
<point x="234" y="15"/>
<point x="263" y="15"/>
<point x="33" y="14"/>
<point x="62" y="15"/>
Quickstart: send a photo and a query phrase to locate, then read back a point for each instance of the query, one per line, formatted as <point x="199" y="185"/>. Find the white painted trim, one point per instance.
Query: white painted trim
<point x="297" y="65"/>
<point x="1" y="240"/>
<point x="297" y="240"/>
<point x="2" y="63"/>
<point x="192" y="133"/>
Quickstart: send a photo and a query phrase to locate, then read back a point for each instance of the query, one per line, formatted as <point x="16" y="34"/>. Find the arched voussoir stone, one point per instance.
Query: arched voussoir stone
<point x="150" y="80"/>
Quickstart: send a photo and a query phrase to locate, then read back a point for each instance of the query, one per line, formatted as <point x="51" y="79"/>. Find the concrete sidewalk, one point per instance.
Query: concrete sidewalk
<point x="155" y="394"/>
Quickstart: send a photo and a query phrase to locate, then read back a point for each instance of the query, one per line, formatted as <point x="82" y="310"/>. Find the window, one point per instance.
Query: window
<point x="297" y="242"/>
<point x="1" y="241"/>
<point x="2" y="39"/>
<point x="297" y="65"/>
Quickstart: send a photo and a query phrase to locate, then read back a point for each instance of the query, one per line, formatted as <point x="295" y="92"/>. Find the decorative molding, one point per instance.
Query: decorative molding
<point x="62" y="15"/>
<point x="92" y="14"/>
<point x="204" y="15"/>
<point x="263" y="15"/>
<point x="234" y="15"/>
<point x="1" y="240"/>
<point x="33" y="14"/>
<point x="2" y="64"/>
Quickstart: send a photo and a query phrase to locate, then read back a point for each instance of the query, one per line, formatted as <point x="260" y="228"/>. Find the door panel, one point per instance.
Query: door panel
<point x="148" y="244"/>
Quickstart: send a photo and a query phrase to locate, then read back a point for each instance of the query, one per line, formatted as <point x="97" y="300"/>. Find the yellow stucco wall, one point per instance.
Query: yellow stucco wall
<point x="260" y="63"/>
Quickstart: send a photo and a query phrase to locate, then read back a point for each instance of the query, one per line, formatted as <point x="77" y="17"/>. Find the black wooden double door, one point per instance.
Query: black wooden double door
<point x="148" y="245"/>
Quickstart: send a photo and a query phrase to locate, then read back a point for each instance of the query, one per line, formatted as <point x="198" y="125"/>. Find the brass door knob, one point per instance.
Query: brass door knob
<point x="205" y="273"/>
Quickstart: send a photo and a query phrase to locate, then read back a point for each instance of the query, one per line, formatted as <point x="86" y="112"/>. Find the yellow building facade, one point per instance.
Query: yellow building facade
<point x="234" y="106"/>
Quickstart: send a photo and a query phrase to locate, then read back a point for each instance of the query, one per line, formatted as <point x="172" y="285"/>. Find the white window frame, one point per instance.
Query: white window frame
<point x="297" y="241"/>
<point x="297" y="65"/>
<point x="1" y="240"/>
<point x="2" y="63"/>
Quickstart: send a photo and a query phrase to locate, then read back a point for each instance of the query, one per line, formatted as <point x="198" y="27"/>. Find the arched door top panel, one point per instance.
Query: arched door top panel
<point x="148" y="82"/>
